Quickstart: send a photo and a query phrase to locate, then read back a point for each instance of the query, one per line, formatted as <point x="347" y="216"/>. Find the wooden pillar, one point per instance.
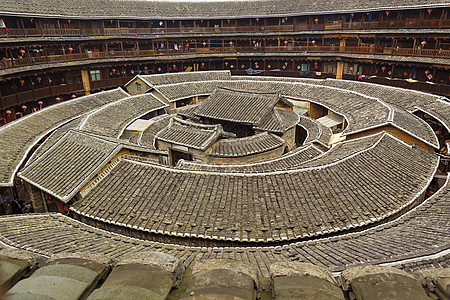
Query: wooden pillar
<point x="32" y="87"/>
<point x="340" y="70"/>
<point x="23" y="27"/>
<point x="442" y="18"/>
<point x="342" y="45"/>
<point x="86" y="82"/>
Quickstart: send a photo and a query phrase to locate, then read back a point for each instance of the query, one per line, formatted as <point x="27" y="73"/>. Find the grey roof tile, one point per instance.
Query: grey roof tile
<point x="244" y="107"/>
<point x="237" y="147"/>
<point x="71" y="162"/>
<point x="112" y="119"/>
<point x="188" y="134"/>
<point x="284" y="192"/>
<point x="18" y="137"/>
<point x="200" y="10"/>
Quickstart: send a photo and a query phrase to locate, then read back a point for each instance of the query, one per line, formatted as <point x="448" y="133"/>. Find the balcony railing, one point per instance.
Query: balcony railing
<point x="57" y="90"/>
<point x="39" y="93"/>
<point x="411" y="24"/>
<point x="27" y="61"/>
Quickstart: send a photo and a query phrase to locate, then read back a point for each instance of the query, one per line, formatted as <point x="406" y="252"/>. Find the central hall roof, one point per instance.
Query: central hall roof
<point x="279" y="121"/>
<point x="244" y="107"/>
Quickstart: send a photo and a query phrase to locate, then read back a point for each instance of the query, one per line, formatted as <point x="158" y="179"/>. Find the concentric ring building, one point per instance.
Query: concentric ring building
<point x="243" y="150"/>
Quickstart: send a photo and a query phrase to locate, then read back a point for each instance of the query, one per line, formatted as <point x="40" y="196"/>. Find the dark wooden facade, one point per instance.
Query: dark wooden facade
<point x="44" y="59"/>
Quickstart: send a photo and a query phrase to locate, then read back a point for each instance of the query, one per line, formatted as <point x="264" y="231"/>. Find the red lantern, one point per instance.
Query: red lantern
<point x="231" y="44"/>
<point x="429" y="11"/>
<point x="257" y="19"/>
<point x="21" y="82"/>
<point x="405" y="73"/>
<point x="22" y="51"/>
<point x="242" y="66"/>
<point x="286" y="42"/>
<point x="352" y="14"/>
<point x="69" y="21"/>
<point x="316" y="20"/>
<point x="427" y="72"/>
<point x="389" y="73"/>
<point x="313" y="42"/>
<point x="204" y="44"/>
<point x="383" y="68"/>
<point x="38" y="79"/>
<point x="31" y="20"/>
<point x="40" y="104"/>
<point x="111" y="21"/>
<point x="228" y="20"/>
<point x="70" y="49"/>
<point x="387" y="13"/>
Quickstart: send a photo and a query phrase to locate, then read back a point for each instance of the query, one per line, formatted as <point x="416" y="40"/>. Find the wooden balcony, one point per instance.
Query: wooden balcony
<point x="391" y="24"/>
<point x="439" y="88"/>
<point x="40" y="93"/>
<point x="410" y="52"/>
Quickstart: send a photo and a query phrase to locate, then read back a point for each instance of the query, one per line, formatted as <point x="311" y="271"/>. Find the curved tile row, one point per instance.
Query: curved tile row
<point x="111" y="119"/>
<point x="261" y="207"/>
<point x="361" y="111"/>
<point x="18" y="137"/>
<point x="316" y="131"/>
<point x="421" y="234"/>
<point x="307" y="156"/>
<point x="285" y="162"/>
